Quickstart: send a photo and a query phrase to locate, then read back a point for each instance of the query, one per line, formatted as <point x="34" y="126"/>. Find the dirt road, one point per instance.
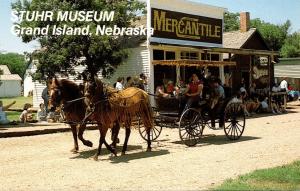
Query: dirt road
<point x="45" y="163"/>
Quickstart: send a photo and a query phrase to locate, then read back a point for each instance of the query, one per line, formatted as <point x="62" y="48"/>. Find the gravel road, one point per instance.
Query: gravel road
<point x="44" y="162"/>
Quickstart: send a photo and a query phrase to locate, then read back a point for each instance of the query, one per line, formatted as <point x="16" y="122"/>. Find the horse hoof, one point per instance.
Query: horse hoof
<point x="95" y="158"/>
<point x="74" y="150"/>
<point x="113" y="146"/>
<point x="123" y="153"/>
<point x="89" y="144"/>
<point x="149" y="149"/>
<point x="115" y="153"/>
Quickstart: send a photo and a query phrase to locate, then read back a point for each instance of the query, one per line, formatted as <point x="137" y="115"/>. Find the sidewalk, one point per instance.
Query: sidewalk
<point x="34" y="129"/>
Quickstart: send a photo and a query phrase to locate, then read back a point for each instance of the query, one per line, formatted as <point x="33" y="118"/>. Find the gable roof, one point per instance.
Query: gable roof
<point x="5" y="69"/>
<point x="237" y="39"/>
<point x="7" y="75"/>
<point x="10" y="77"/>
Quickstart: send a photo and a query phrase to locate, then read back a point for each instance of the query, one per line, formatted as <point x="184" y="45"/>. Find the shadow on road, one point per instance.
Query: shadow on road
<point x="212" y="139"/>
<point x="133" y="156"/>
<point x="104" y="151"/>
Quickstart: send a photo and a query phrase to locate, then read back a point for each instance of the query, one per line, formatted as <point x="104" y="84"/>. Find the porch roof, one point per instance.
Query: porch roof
<point x="188" y="62"/>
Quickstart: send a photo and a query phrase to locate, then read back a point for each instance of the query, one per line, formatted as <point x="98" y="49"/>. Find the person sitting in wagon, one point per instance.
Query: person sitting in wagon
<point x="193" y="91"/>
<point x="160" y="90"/>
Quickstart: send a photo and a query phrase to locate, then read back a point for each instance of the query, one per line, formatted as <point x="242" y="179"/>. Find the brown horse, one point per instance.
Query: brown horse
<point x="65" y="93"/>
<point x="107" y="106"/>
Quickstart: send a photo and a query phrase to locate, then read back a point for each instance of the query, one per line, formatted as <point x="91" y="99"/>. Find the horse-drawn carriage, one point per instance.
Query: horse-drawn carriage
<point x="192" y="121"/>
<point x="105" y="106"/>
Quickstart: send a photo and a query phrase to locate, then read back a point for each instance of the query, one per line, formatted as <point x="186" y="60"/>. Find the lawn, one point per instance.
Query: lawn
<point x="20" y="101"/>
<point x="279" y="178"/>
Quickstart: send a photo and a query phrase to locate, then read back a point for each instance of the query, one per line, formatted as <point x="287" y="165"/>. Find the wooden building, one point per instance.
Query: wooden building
<point x="257" y="67"/>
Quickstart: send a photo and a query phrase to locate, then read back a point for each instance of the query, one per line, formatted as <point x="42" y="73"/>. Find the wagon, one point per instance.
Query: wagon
<point x="191" y="122"/>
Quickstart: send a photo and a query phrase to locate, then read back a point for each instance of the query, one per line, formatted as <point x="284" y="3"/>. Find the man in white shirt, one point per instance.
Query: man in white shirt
<point x="284" y="85"/>
<point x="119" y="84"/>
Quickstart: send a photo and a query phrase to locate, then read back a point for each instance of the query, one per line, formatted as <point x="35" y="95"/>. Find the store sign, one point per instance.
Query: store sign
<point x="182" y="26"/>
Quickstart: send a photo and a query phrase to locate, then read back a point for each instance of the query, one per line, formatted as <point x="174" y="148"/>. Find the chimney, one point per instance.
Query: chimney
<point x="244" y="21"/>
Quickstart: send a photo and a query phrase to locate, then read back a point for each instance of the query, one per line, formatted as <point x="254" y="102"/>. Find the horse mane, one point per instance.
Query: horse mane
<point x="70" y="87"/>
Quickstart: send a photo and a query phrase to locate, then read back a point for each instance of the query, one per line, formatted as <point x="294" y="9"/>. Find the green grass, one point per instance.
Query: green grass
<point x="279" y="178"/>
<point x="20" y="101"/>
<point x="14" y="115"/>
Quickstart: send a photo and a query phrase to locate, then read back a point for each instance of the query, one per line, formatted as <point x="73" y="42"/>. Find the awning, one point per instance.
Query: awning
<point x="185" y="62"/>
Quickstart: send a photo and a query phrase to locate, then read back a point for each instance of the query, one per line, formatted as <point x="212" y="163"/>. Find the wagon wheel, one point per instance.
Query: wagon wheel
<point x="190" y="127"/>
<point x="154" y="132"/>
<point x="235" y="121"/>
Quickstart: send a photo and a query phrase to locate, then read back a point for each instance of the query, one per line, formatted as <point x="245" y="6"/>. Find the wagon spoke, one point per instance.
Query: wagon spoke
<point x="235" y="132"/>
<point x="238" y="128"/>
<point x="240" y="125"/>
<point x="154" y="132"/>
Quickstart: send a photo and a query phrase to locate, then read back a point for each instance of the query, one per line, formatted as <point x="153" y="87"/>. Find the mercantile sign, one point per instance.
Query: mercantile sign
<point x="181" y="26"/>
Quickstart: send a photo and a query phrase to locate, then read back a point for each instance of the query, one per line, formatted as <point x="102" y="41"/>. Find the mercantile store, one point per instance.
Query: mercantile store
<point x="188" y="38"/>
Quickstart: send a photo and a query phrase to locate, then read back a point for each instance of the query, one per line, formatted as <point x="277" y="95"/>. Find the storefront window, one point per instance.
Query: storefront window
<point x="170" y="55"/>
<point x="158" y="55"/>
<point x="189" y="55"/>
<point x="214" y="57"/>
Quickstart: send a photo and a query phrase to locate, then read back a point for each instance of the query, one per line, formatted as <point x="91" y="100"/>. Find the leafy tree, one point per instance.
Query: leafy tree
<point x="291" y="47"/>
<point x="15" y="62"/>
<point x="1" y="72"/>
<point x="59" y="54"/>
<point x="231" y="21"/>
<point x="274" y="35"/>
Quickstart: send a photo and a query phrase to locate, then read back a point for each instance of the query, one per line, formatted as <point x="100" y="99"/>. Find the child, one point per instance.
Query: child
<point x="25" y="116"/>
<point x="41" y="113"/>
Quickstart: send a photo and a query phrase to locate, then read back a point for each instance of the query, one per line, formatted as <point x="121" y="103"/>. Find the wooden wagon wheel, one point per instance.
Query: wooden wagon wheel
<point x="154" y="132"/>
<point x="190" y="127"/>
<point x="235" y="121"/>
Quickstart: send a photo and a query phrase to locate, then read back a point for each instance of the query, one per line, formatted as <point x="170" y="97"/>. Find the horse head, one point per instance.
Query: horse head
<point x="93" y="91"/>
<point x="55" y="93"/>
<point x="62" y="91"/>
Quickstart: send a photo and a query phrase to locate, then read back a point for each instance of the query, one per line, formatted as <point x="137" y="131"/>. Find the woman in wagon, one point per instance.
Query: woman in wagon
<point x="193" y="91"/>
<point x="160" y="90"/>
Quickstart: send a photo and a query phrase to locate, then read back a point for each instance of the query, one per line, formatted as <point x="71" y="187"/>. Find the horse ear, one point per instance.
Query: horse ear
<point x="54" y="81"/>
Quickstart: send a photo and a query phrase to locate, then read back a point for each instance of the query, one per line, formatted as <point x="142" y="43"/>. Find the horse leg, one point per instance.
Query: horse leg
<point x="102" y="140"/>
<point x="114" y="134"/>
<point x="148" y="140"/>
<point x="80" y="136"/>
<point x="127" y="134"/>
<point x="74" y="133"/>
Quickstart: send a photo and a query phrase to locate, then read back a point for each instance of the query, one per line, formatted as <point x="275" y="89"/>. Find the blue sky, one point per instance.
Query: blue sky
<point x="273" y="11"/>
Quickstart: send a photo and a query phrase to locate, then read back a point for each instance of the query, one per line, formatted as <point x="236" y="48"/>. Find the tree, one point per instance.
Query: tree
<point x="1" y="72"/>
<point x="291" y="47"/>
<point x="274" y="35"/>
<point x="231" y="21"/>
<point x="15" y="62"/>
<point x="59" y="54"/>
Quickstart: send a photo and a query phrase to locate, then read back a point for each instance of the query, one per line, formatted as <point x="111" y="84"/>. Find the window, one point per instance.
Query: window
<point x="189" y="55"/>
<point x="214" y="57"/>
<point x="158" y="55"/>
<point x="170" y="55"/>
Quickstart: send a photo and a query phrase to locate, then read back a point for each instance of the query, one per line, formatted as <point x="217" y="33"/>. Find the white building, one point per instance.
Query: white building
<point x="10" y="83"/>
